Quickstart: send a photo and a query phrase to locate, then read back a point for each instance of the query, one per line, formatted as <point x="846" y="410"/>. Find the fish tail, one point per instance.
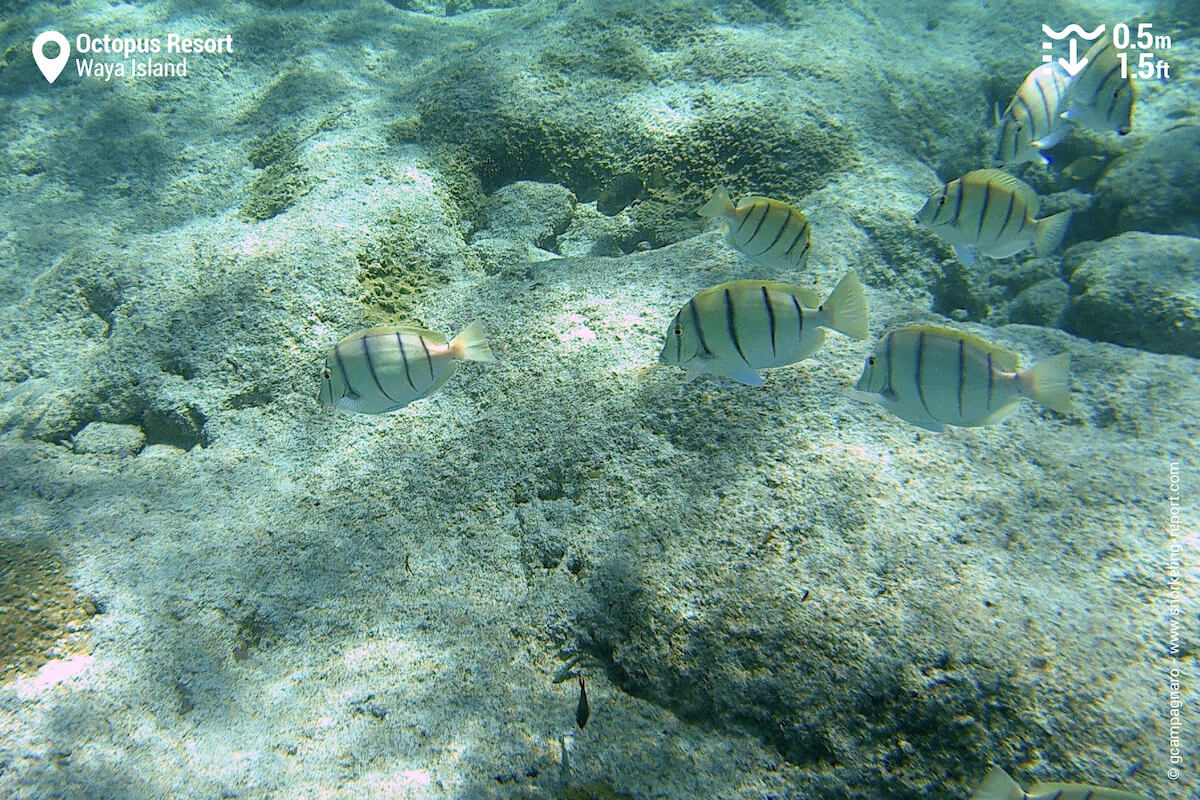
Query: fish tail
<point x="471" y="344"/>
<point x="1050" y="232"/>
<point x="846" y="308"/>
<point x="718" y="205"/>
<point x="998" y="786"/>
<point x="1048" y="383"/>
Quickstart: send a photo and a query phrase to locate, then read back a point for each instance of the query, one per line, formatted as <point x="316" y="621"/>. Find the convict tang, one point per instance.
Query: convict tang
<point x="378" y="370"/>
<point x="740" y="327"/>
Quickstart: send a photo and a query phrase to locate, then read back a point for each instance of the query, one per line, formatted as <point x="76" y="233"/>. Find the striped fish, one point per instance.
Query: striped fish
<point x="769" y="231"/>
<point x="999" y="786"/>
<point x="740" y="327"/>
<point x="383" y="369"/>
<point x="991" y="212"/>
<point x="1031" y="121"/>
<point x="1099" y="97"/>
<point x="933" y="376"/>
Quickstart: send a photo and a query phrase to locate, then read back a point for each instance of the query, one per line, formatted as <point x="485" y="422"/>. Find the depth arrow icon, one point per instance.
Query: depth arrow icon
<point x="1073" y="66"/>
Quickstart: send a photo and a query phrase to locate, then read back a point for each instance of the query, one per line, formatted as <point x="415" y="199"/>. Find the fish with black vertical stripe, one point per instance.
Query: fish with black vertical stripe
<point x="740" y="327"/>
<point x="1102" y="95"/>
<point x="991" y="212"/>
<point x="768" y="231"/>
<point x="383" y="369"/>
<point x="933" y="377"/>
<point x="1032" y="121"/>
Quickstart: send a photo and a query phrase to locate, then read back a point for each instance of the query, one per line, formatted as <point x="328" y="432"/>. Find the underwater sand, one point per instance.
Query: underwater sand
<point x="773" y="593"/>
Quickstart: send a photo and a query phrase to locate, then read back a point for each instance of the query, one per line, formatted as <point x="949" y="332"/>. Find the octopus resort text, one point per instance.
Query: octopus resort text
<point x="139" y="55"/>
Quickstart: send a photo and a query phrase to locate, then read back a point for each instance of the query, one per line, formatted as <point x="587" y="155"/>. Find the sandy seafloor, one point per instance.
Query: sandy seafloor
<point x="774" y="593"/>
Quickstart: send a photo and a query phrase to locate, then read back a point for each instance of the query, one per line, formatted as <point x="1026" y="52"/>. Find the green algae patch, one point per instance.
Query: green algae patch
<point x="277" y="187"/>
<point x="42" y="617"/>
<point x="396" y="269"/>
<point x="271" y="149"/>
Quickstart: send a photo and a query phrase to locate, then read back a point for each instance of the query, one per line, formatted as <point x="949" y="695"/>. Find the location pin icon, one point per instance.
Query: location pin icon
<point x="51" y="67"/>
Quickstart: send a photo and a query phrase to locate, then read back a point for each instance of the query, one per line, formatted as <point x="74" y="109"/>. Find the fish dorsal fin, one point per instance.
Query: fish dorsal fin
<point x="1002" y="359"/>
<point x="807" y="297"/>
<point x="413" y="330"/>
<point x="1001" y="179"/>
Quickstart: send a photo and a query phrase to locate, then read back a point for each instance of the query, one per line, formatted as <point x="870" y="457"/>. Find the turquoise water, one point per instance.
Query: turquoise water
<point x="901" y="562"/>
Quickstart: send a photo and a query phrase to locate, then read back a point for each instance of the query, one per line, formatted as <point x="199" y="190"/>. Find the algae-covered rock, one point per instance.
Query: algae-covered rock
<point x="1043" y="303"/>
<point x="42" y="616"/>
<point x="593" y="233"/>
<point x="275" y="189"/>
<point x="110" y="439"/>
<point x="530" y="212"/>
<point x="1137" y="289"/>
<point x="416" y="249"/>
<point x="496" y="254"/>
<point x="1156" y="188"/>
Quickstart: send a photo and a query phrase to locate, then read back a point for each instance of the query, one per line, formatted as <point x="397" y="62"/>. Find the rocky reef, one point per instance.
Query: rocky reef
<point x="776" y="592"/>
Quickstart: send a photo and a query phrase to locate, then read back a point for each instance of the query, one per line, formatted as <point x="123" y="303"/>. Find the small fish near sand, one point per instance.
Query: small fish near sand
<point x="1100" y="97"/>
<point x="740" y="327"/>
<point x="991" y="212"/>
<point x="768" y="231"/>
<point x="999" y="786"/>
<point x="933" y="377"/>
<point x="380" y="370"/>
<point x="582" y="711"/>
<point x="1031" y="122"/>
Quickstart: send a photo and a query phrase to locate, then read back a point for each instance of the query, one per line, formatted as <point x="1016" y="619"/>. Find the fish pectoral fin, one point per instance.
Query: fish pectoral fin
<point x="1053" y="138"/>
<point x="349" y="402"/>
<point x="700" y="365"/>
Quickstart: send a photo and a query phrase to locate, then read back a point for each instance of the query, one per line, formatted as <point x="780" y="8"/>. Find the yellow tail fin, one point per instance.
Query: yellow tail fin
<point x="471" y="344"/>
<point x="998" y="786"/>
<point x="1050" y="232"/>
<point x="718" y="205"/>
<point x="846" y="307"/>
<point x="1048" y="383"/>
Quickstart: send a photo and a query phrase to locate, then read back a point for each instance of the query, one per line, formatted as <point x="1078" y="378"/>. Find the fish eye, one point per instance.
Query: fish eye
<point x="870" y="361"/>
<point x="327" y="375"/>
<point x="942" y="200"/>
<point x="679" y="330"/>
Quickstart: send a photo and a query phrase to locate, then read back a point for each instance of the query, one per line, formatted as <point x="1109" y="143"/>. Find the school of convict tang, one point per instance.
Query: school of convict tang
<point x="926" y="375"/>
